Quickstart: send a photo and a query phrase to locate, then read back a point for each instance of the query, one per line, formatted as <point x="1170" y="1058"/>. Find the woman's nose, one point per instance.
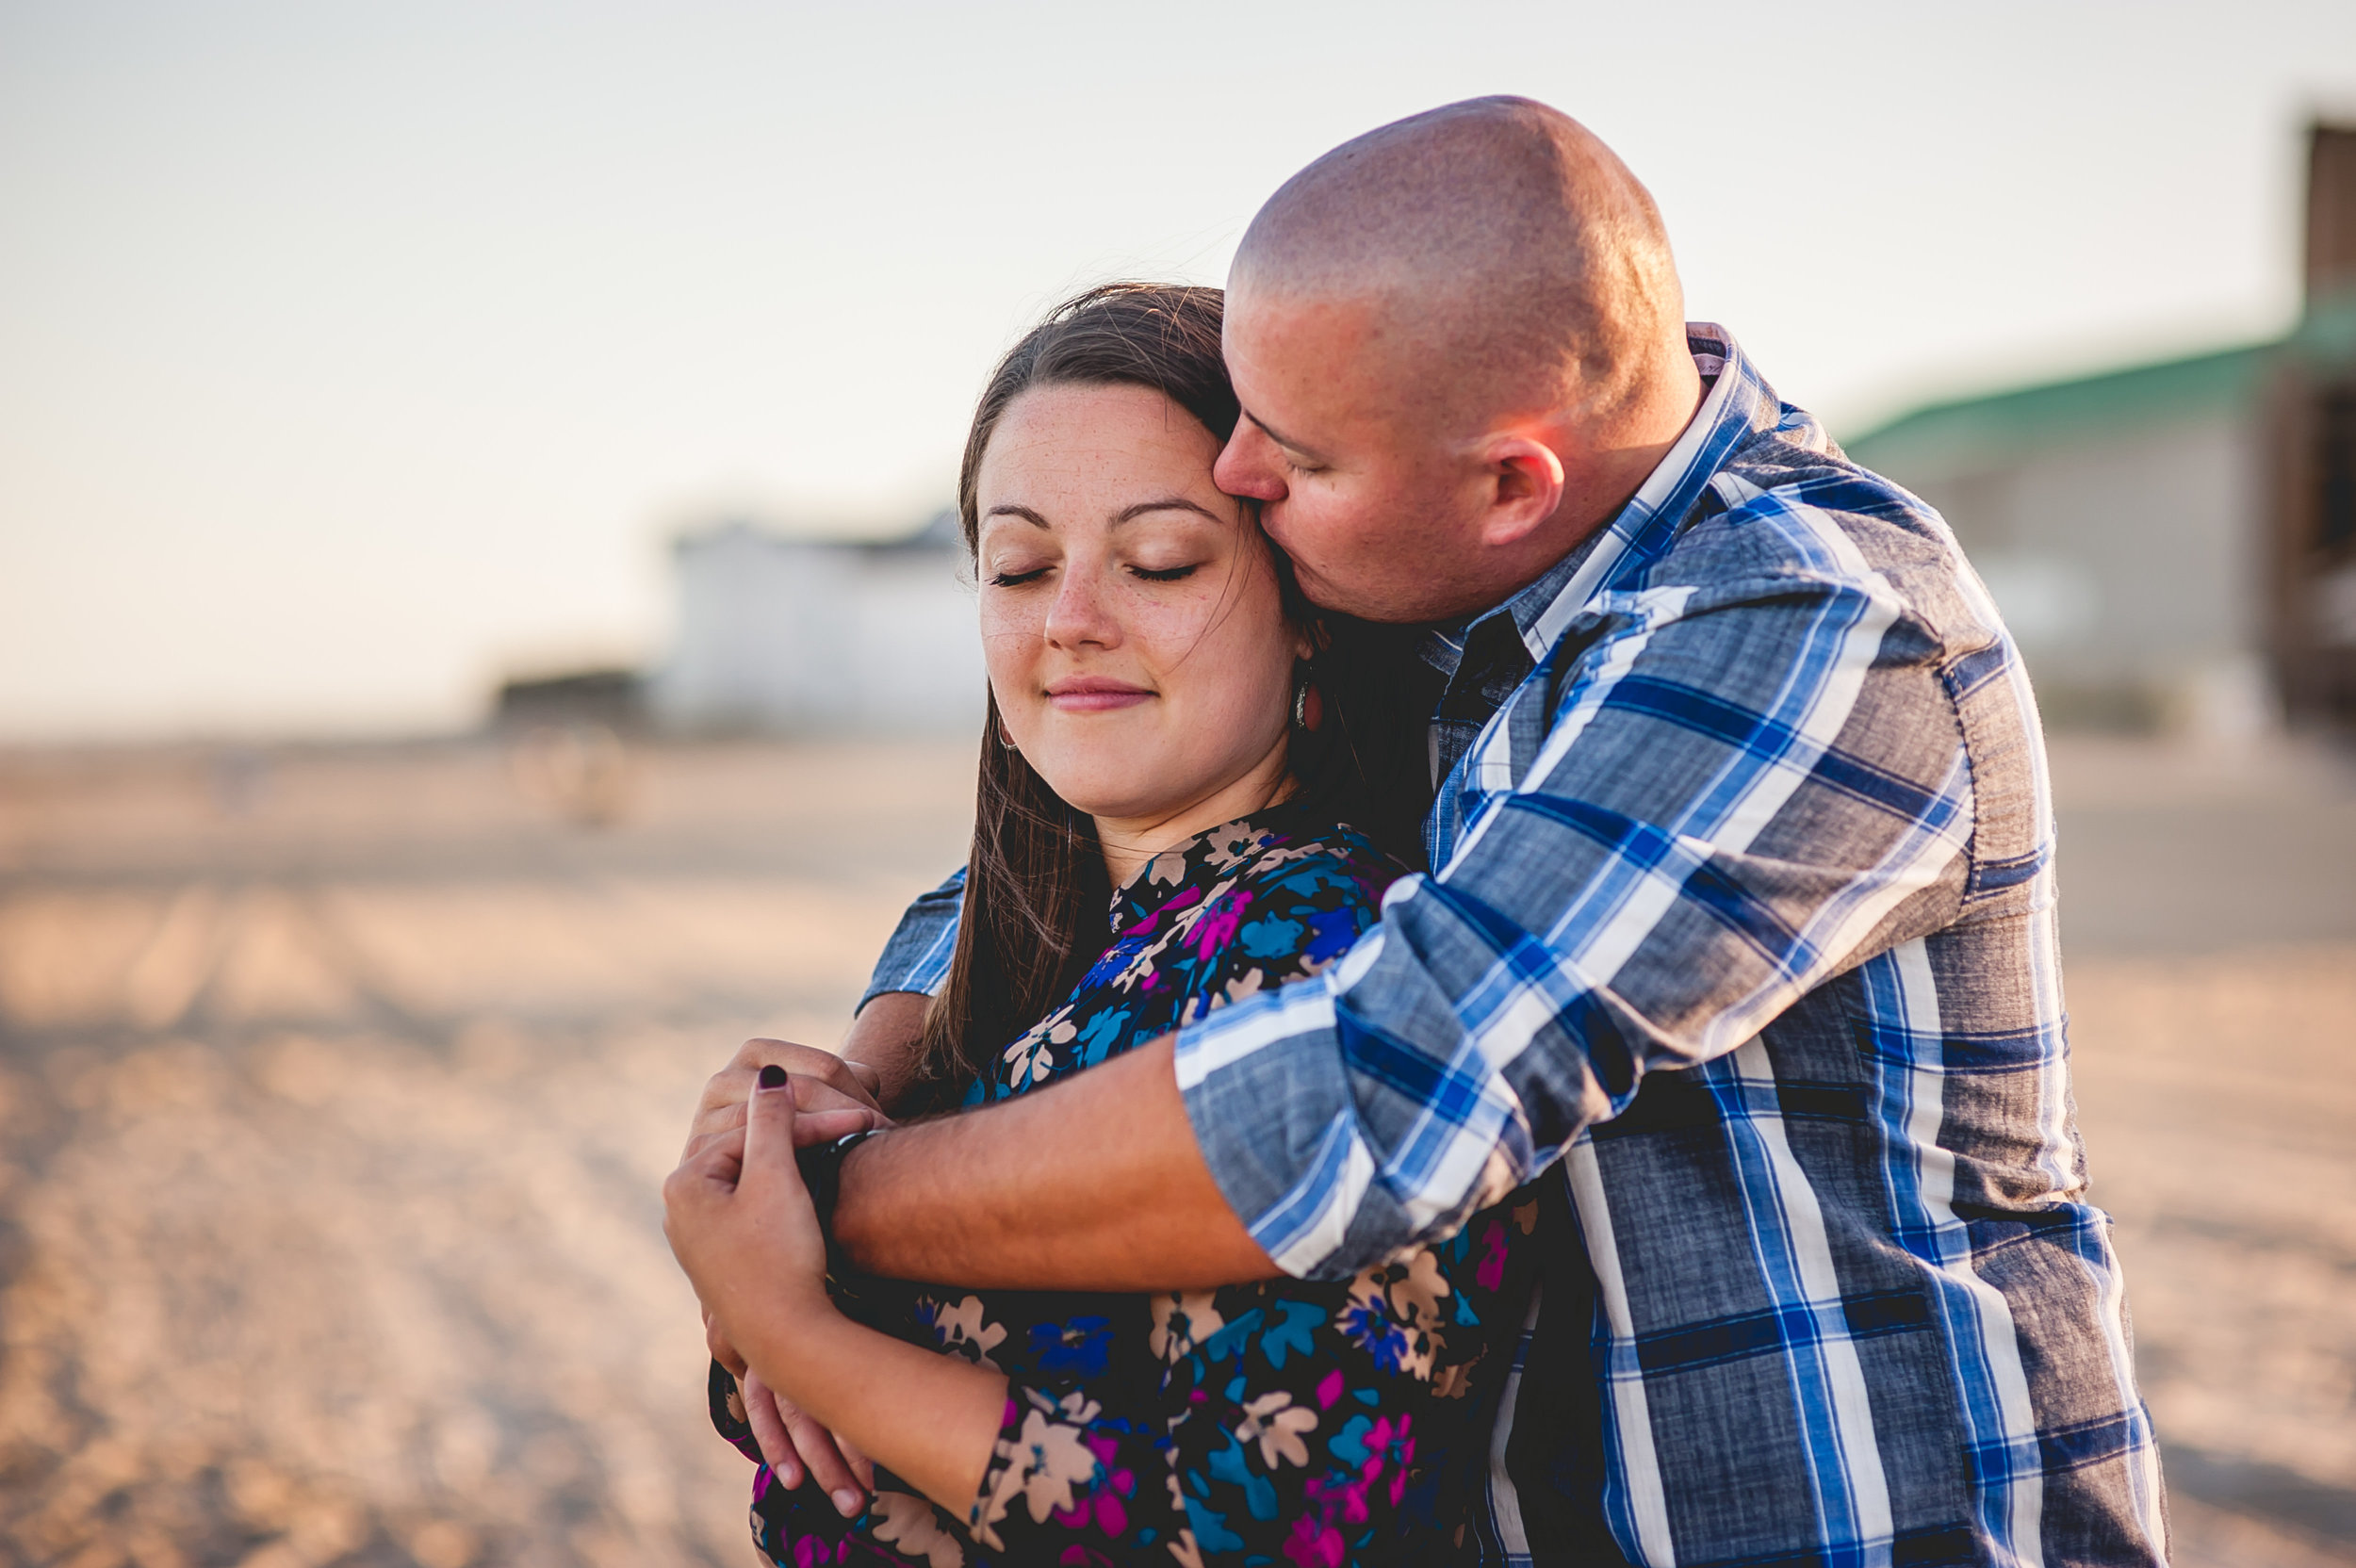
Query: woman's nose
<point x="1081" y="613"/>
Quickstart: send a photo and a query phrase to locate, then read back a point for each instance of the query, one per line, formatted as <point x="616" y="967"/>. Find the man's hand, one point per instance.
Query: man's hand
<point x="834" y="1098"/>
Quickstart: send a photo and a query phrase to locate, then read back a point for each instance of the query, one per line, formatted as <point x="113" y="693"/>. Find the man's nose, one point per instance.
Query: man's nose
<point x="1245" y="466"/>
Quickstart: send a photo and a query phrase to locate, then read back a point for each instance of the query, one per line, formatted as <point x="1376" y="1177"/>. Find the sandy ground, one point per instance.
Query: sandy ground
<point x="335" y="1087"/>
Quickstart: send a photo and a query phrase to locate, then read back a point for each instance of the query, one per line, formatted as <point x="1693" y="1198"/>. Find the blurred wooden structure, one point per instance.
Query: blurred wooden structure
<point x="2312" y="586"/>
<point x="2173" y="545"/>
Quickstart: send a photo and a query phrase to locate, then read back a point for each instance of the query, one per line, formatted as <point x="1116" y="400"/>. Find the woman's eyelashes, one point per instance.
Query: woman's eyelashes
<point x="1018" y="574"/>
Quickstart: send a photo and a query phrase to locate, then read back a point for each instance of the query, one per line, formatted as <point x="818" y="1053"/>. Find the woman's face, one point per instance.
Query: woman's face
<point x="1130" y="617"/>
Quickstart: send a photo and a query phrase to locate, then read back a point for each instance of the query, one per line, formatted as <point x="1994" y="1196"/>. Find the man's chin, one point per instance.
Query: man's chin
<point x="1341" y="598"/>
<point x="1389" y="603"/>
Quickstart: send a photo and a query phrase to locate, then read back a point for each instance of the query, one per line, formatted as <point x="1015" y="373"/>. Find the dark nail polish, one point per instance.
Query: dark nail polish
<point x="772" y="1077"/>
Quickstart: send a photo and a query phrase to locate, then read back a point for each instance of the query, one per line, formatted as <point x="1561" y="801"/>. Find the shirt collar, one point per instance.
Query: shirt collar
<point x="1730" y="412"/>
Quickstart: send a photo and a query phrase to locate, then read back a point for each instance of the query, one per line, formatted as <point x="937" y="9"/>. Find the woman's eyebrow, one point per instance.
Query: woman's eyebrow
<point x="1007" y="509"/>
<point x="1168" y="503"/>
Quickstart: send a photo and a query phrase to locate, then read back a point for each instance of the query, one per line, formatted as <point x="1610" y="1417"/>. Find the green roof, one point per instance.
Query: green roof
<point x="2004" y="426"/>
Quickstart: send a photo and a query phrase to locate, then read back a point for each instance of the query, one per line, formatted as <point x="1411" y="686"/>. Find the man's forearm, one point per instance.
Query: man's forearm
<point x="1093" y="1184"/>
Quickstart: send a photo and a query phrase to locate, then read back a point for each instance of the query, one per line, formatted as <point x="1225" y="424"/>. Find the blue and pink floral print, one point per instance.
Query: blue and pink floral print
<point x="1286" y="1422"/>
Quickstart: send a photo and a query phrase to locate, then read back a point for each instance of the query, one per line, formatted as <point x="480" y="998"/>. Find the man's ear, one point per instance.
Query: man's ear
<point x="1526" y="477"/>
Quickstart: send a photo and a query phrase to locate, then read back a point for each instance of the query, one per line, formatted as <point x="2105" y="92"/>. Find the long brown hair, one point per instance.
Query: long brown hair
<point x="1036" y="895"/>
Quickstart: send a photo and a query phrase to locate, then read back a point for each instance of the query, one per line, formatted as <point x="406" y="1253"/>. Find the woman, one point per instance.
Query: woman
<point x="1174" y="746"/>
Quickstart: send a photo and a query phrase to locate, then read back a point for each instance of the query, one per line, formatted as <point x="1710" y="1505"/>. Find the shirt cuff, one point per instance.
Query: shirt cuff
<point x="1270" y="1101"/>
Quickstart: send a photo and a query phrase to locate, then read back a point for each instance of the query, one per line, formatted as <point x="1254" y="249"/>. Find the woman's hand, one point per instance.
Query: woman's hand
<point x="794" y="1444"/>
<point x="833" y="1096"/>
<point x="740" y="1225"/>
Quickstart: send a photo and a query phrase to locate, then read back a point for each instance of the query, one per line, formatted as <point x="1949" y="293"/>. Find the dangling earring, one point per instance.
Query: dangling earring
<point x="1308" y="702"/>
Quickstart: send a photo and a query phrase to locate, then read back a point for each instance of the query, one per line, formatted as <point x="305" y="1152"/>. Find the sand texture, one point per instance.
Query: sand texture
<point x="336" y="1086"/>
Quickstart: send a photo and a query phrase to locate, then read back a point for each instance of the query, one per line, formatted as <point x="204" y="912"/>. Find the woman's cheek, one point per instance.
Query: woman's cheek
<point x="1174" y="622"/>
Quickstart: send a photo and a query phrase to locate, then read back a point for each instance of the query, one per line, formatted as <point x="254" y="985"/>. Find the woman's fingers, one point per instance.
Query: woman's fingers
<point x="780" y="1428"/>
<point x="821" y="1117"/>
<point x="769" y="1170"/>
<point x="819" y="1094"/>
<point x="809" y="1061"/>
<point x="845" y="1085"/>
<point x="811" y="1127"/>
<point x="869" y="1079"/>
<point x="769" y="1433"/>
<point x="827" y="1467"/>
<point x="716" y="1341"/>
<point x="861" y="1466"/>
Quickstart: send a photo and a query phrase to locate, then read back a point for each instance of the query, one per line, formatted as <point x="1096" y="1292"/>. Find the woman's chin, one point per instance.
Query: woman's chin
<point x="1115" y="807"/>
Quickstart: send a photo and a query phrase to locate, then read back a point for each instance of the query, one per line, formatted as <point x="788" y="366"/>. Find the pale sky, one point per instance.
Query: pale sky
<point x="354" y="354"/>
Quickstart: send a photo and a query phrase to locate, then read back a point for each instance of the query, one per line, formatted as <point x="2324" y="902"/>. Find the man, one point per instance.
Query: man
<point x="1739" y="941"/>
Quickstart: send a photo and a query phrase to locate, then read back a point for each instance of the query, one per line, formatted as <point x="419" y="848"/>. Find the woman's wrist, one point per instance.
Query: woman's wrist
<point x="931" y="1419"/>
<point x="792" y="1335"/>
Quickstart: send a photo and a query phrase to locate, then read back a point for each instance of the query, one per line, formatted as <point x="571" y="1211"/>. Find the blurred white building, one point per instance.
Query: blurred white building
<point x="776" y="634"/>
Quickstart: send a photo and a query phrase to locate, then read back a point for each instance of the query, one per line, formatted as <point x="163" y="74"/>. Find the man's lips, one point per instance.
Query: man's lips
<point x="1094" y="695"/>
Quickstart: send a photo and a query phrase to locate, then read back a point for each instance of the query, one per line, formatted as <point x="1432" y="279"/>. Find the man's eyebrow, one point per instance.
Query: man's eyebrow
<point x="1168" y="503"/>
<point x="1007" y="509"/>
<point x="1282" y="439"/>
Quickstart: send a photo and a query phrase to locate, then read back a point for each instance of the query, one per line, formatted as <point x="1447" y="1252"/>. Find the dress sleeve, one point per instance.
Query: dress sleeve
<point x="726" y="1404"/>
<point x="1289" y="1422"/>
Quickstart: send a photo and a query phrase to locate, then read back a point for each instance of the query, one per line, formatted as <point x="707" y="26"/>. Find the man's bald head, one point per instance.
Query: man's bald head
<point x="1509" y="261"/>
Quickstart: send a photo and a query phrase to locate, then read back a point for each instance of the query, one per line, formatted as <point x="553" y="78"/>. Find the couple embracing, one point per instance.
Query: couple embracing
<point x="1504" y="1006"/>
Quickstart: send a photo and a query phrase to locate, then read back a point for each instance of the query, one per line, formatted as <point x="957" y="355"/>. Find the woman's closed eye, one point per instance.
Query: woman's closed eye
<point x="1165" y="574"/>
<point x="1016" y="579"/>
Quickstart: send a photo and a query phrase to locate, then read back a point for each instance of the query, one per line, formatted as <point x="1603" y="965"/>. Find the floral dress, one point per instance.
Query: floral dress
<point x="1288" y="1421"/>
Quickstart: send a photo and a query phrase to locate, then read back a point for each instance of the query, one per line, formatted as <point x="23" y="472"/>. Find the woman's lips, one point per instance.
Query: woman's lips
<point x="1094" y="696"/>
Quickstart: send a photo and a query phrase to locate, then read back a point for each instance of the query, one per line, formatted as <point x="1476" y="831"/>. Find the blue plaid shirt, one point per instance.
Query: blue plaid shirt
<point x="1741" y="949"/>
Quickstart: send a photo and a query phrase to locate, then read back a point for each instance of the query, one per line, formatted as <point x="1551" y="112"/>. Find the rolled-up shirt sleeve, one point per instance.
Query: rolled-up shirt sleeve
<point x="1706" y="800"/>
<point x="917" y="957"/>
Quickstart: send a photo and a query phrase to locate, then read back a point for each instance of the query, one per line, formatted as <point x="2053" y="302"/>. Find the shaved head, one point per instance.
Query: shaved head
<point x="1506" y="259"/>
<point x="1459" y="348"/>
